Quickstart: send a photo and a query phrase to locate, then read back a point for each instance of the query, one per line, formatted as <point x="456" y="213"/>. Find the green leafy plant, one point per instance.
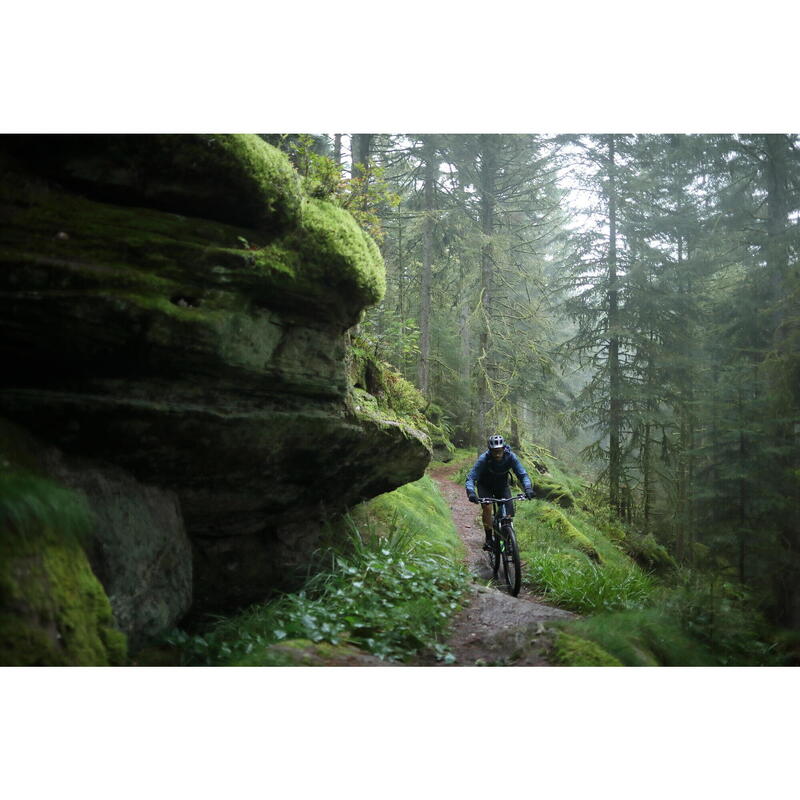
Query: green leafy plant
<point x="388" y="589"/>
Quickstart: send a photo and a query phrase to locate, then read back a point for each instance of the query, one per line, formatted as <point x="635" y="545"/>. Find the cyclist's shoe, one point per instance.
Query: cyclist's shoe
<point x="488" y="546"/>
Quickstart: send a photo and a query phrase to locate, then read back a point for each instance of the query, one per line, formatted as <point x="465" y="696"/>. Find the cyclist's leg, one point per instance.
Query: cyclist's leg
<point x="486" y="513"/>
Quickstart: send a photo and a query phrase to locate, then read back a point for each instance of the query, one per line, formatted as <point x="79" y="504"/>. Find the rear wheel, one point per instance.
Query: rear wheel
<point x="511" y="565"/>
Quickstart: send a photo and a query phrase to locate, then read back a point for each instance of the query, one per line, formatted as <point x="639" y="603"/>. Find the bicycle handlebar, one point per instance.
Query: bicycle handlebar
<point x="484" y="501"/>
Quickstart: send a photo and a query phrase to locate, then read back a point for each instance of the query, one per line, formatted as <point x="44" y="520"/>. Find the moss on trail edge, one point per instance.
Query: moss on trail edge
<point x="573" y="651"/>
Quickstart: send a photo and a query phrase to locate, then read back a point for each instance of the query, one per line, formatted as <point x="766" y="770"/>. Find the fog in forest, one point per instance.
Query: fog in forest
<point x="628" y="303"/>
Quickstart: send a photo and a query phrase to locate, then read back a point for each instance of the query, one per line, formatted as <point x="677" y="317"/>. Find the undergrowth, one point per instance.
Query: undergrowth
<point x="649" y="613"/>
<point x="389" y="587"/>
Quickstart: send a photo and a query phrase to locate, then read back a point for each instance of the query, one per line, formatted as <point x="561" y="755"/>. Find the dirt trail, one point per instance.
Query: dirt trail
<point x="493" y="628"/>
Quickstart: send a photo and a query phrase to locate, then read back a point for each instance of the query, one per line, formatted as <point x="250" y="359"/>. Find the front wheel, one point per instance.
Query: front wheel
<point x="494" y="554"/>
<point x="511" y="565"/>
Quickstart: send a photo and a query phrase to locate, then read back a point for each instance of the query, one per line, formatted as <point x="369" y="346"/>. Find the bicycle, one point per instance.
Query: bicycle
<point x="504" y="543"/>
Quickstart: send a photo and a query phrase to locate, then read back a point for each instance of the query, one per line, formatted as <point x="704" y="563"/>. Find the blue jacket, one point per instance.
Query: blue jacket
<point x="489" y="472"/>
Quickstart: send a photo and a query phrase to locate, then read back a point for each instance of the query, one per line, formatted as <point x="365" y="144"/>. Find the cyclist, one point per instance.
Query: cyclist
<point x="490" y="472"/>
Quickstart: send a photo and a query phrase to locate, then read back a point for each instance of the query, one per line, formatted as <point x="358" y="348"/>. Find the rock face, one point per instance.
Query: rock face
<point x="53" y="609"/>
<point x="173" y="318"/>
<point x="139" y="549"/>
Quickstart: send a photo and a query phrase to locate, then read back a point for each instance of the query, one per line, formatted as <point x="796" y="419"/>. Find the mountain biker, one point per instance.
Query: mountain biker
<point x="490" y="472"/>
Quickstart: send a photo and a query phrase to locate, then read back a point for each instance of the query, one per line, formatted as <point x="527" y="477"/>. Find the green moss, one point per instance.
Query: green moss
<point x="304" y="254"/>
<point x="236" y="178"/>
<point x="339" y="252"/>
<point x="557" y="521"/>
<point x="250" y="159"/>
<point x="572" y="651"/>
<point x="327" y="252"/>
<point x="419" y="509"/>
<point x="647" y="552"/>
<point x="379" y="393"/>
<point x="53" y="609"/>
<point x="547" y="488"/>
<point x="302" y="653"/>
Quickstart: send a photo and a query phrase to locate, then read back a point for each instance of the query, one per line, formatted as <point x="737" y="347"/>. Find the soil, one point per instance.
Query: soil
<point x="493" y="628"/>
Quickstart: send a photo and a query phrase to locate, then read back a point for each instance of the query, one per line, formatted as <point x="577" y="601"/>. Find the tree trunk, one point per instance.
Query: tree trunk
<point x="647" y="481"/>
<point x="360" y="149"/>
<point x="777" y="214"/>
<point x="781" y="368"/>
<point x="615" y="384"/>
<point x="401" y="311"/>
<point x="431" y="167"/>
<point x="742" y="499"/>
<point x="337" y="148"/>
<point x="487" y="212"/>
<point x="683" y="516"/>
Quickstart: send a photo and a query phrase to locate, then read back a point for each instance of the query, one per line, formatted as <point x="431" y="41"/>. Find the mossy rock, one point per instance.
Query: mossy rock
<point x="234" y="178"/>
<point x="547" y="488"/>
<point x="648" y="553"/>
<point x="176" y="306"/>
<point x="573" y="651"/>
<point x="53" y="610"/>
<point x="337" y="251"/>
<point x="242" y="234"/>
<point x="378" y="392"/>
<point x="305" y="653"/>
<point x="556" y="520"/>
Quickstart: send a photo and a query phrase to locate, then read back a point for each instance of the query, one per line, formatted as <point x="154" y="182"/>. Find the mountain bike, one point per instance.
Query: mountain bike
<point x="504" y="543"/>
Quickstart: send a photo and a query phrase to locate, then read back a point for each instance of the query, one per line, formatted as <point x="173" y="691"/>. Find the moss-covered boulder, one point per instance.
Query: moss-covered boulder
<point x="550" y="489"/>
<point x="174" y="306"/>
<point x="132" y="535"/>
<point x="53" y="610"/>
<point x="555" y="519"/>
<point x="648" y="553"/>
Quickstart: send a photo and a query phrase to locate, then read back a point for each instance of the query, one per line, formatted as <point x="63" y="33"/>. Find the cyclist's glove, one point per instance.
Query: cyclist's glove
<point x="530" y="494"/>
<point x="472" y="497"/>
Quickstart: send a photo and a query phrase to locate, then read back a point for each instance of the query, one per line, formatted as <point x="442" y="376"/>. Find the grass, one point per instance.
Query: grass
<point x="389" y="588"/>
<point x="644" y="637"/>
<point x="418" y="511"/>
<point x="574" y="564"/>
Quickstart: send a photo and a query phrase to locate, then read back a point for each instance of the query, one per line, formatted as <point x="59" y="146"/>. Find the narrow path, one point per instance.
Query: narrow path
<point x="493" y="628"/>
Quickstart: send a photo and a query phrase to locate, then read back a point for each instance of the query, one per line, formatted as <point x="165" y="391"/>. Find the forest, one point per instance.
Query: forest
<point x="627" y="304"/>
<point x="246" y="376"/>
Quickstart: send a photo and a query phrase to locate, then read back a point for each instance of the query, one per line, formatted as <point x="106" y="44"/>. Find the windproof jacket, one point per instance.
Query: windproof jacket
<point x="490" y="473"/>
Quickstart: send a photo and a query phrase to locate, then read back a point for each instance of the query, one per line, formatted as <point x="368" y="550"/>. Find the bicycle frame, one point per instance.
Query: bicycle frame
<point x="505" y="547"/>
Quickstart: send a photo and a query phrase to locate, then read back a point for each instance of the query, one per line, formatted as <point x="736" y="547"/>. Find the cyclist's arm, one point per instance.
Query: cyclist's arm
<point x="520" y="472"/>
<point x="474" y="474"/>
